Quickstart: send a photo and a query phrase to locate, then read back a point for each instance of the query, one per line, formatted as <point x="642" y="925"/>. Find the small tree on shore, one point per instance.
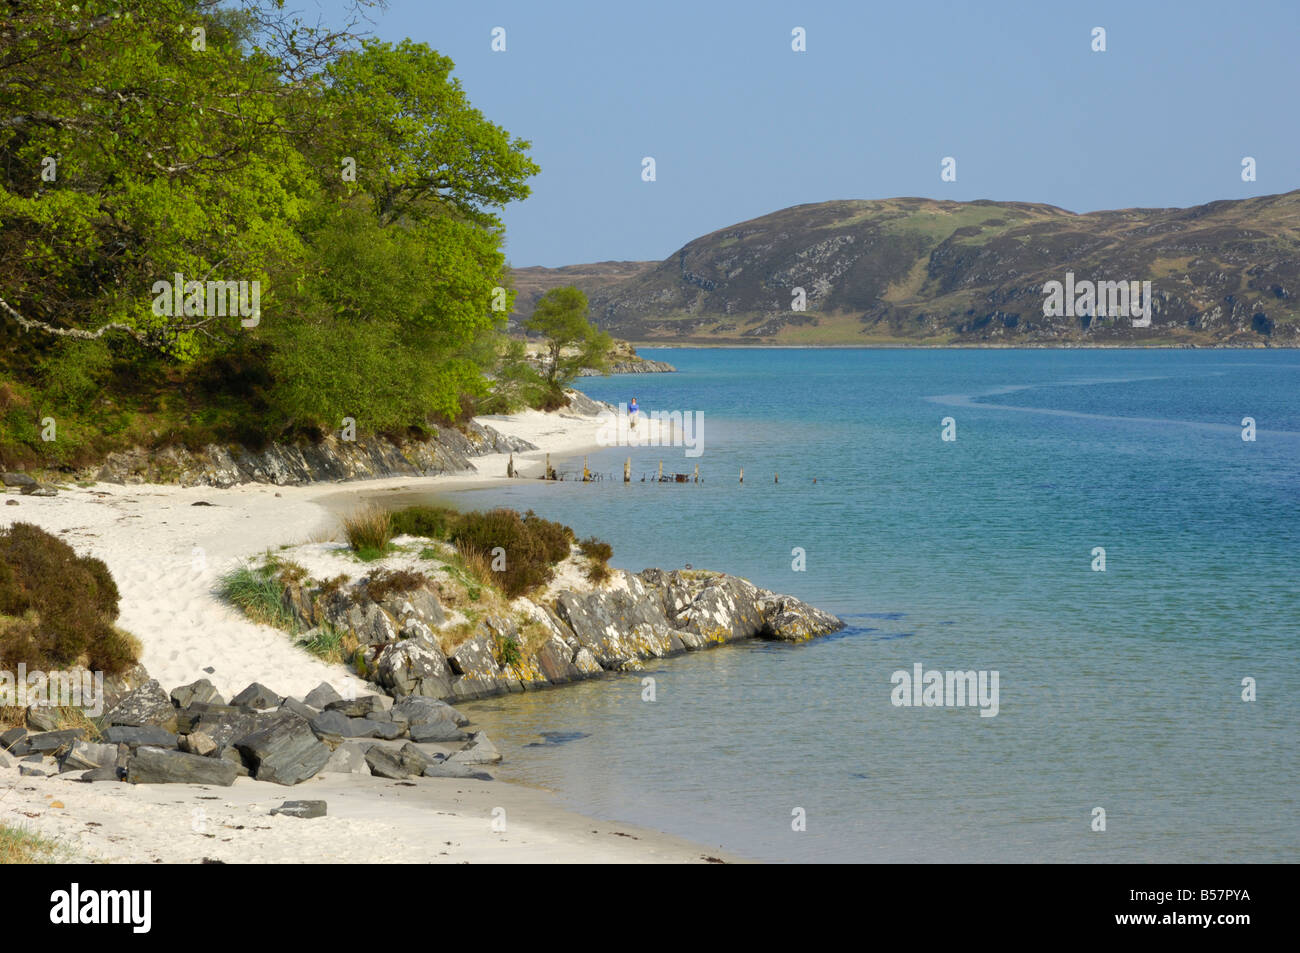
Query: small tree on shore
<point x="572" y="342"/>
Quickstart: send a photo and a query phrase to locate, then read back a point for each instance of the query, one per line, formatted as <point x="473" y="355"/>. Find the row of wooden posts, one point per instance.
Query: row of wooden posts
<point x="590" y="477"/>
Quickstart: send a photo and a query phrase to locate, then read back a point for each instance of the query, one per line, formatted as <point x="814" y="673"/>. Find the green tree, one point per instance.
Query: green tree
<point x="572" y="342"/>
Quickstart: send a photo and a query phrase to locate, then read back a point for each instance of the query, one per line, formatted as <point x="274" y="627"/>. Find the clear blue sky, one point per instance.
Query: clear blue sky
<point x="739" y="125"/>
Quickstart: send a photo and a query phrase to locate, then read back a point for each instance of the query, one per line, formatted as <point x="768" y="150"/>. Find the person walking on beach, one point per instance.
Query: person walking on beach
<point x="632" y="411"/>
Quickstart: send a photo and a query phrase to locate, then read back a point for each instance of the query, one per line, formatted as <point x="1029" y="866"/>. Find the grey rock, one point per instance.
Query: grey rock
<point x="10" y="739"/>
<point x="347" y="758"/>
<point x="333" y="725"/>
<point x="320" y="696"/>
<point x="555" y="659"/>
<point x="85" y="756"/>
<point x="39" y="489"/>
<point x="419" y="605"/>
<point x="406" y="762"/>
<point x="161" y="766"/>
<point x="479" y="751"/>
<point x="370" y="624"/>
<point x="285" y="753"/>
<point x="303" y="809"/>
<point x="585" y="662"/>
<point x="203" y="692"/>
<point x="452" y="769"/>
<point x="135" y="737"/>
<point x="230" y="754"/>
<point x="227" y="727"/>
<point x="18" y="479"/>
<point x="42" y="719"/>
<point x="147" y="705"/>
<point x="110" y="773"/>
<point x="199" y="743"/>
<point x="298" y="708"/>
<point x="4" y="761"/>
<point x="31" y="771"/>
<point x="257" y="696"/>
<point x="358" y="707"/>
<point x="54" y="742"/>
<point x="430" y="720"/>
<point x="412" y="667"/>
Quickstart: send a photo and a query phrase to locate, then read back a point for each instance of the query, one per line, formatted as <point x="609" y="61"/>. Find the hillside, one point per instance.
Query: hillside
<point x="920" y="271"/>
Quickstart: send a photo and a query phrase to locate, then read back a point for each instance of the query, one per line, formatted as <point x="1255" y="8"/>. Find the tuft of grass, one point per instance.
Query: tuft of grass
<point x="258" y="593"/>
<point x="331" y="644"/>
<point x="369" y="532"/>
<point x="18" y="845"/>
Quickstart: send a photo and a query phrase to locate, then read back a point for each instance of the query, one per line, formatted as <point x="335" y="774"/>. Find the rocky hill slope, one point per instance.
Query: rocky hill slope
<point x="921" y="271"/>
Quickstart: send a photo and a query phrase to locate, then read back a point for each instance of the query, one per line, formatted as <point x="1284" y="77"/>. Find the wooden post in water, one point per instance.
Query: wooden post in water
<point x="661" y="471"/>
<point x="627" y="470"/>
<point x="777" y="477"/>
<point x="742" y="474"/>
<point x="586" y="474"/>
<point x="697" y="473"/>
<point x="510" y="466"/>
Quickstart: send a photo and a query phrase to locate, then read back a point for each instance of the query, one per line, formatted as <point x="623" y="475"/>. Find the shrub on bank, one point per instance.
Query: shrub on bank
<point x="57" y="609"/>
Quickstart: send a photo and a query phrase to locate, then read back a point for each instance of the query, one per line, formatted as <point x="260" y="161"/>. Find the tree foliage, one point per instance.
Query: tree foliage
<point x="572" y="342"/>
<point x="351" y="179"/>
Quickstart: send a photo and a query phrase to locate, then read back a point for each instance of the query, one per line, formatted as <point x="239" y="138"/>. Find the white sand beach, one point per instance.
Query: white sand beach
<point x="167" y="554"/>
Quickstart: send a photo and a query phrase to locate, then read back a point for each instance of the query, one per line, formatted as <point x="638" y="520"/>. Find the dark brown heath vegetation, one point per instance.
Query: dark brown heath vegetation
<point x="927" y="272"/>
<point x="57" y="609"/>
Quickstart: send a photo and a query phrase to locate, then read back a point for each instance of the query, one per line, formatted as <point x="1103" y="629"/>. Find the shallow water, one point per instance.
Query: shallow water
<point x="1118" y="689"/>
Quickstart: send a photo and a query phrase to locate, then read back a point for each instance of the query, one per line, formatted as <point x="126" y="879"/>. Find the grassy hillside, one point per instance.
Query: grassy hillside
<point x="920" y="271"/>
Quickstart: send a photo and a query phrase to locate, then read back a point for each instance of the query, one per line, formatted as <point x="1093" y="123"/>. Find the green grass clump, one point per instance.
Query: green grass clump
<point x="21" y="846"/>
<point x="57" y="609"/>
<point x="259" y="593"/>
<point x="369" y="532"/>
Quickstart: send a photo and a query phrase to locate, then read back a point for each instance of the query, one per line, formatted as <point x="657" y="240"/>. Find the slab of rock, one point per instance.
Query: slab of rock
<point x="413" y="667"/>
<point x="162" y="766"/>
<point x="430" y="720"/>
<point x="405" y="762"/>
<point x="15" y="741"/>
<point x="369" y="624"/>
<point x="199" y="743"/>
<point x="86" y="756"/>
<point x="320" y="696"/>
<point x="111" y="773"/>
<point x="146" y="706"/>
<point x="333" y="725"/>
<point x="4" y="761"/>
<point x="792" y="620"/>
<point x="203" y="692"/>
<point x="42" y="719"/>
<point x="479" y="751"/>
<point x="54" y="742"/>
<point x="453" y="769"/>
<point x="303" y="809"/>
<point x="418" y="604"/>
<point x="555" y="659"/>
<point x="258" y="696"/>
<point x="287" y="752"/>
<point x="18" y="479"/>
<point x="359" y="707"/>
<point x="347" y="758"/>
<point x="298" y="708"/>
<point x="135" y="737"/>
<point x="32" y="770"/>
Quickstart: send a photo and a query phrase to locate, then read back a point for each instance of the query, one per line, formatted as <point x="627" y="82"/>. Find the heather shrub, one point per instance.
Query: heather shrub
<point x="531" y="545"/>
<point x="57" y="608"/>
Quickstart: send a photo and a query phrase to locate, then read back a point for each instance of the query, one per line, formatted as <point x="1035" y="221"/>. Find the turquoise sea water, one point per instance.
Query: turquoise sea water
<point x="1118" y="689"/>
